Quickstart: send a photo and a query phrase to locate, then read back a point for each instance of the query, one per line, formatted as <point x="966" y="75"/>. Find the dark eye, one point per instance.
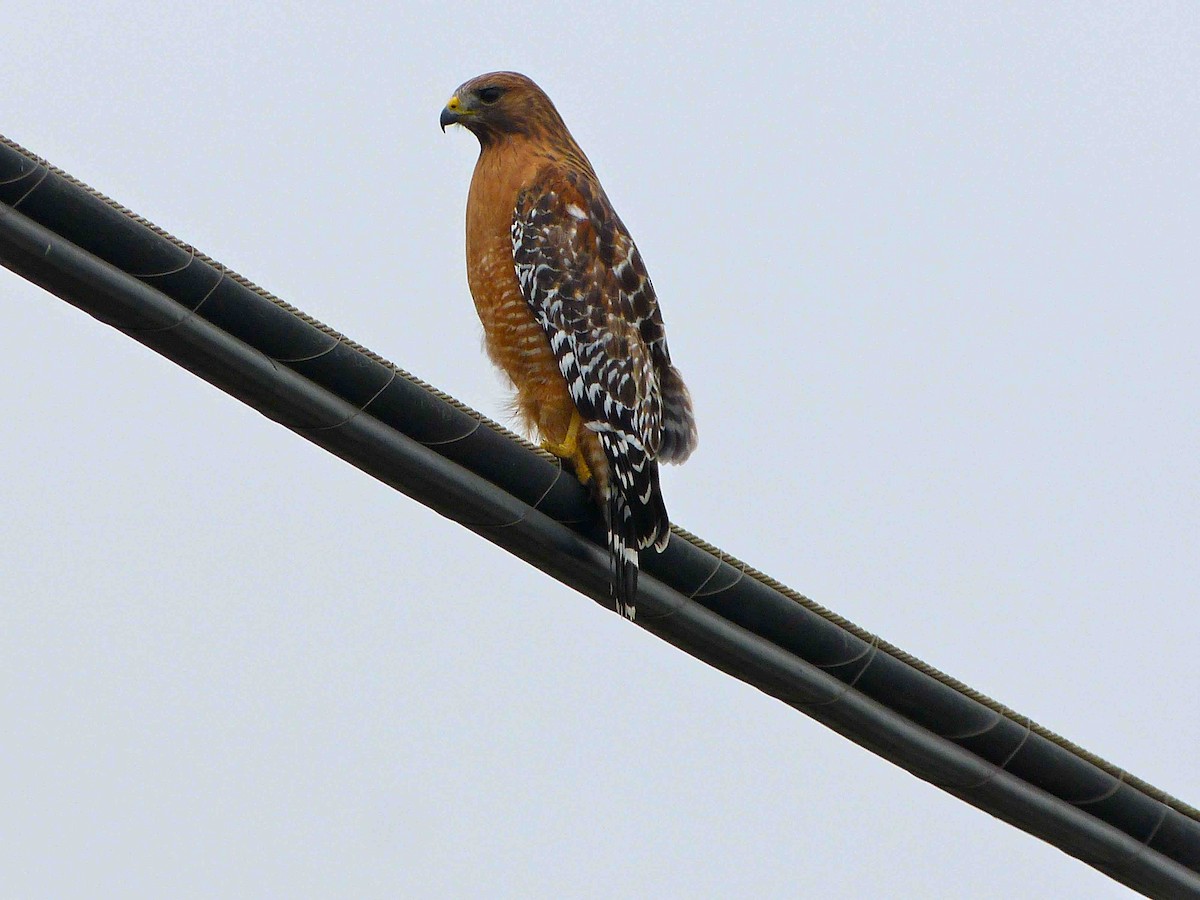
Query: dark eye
<point x="490" y="94"/>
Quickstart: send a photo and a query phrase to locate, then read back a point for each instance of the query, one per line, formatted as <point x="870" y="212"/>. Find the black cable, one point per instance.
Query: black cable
<point x="131" y="275"/>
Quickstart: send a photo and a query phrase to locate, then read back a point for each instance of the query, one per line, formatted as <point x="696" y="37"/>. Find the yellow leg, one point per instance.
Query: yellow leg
<point x="570" y="449"/>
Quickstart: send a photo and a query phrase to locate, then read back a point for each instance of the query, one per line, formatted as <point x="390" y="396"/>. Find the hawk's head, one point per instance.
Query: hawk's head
<point x="498" y="104"/>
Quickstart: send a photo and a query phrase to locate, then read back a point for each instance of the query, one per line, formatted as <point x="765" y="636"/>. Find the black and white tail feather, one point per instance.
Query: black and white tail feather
<point x="586" y="284"/>
<point x="635" y="512"/>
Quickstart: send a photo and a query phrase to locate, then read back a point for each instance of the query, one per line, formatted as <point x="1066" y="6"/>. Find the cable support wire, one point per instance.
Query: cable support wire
<point x="132" y="275"/>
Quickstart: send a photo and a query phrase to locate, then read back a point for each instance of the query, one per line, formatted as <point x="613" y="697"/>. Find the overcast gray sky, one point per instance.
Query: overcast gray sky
<point x="931" y="272"/>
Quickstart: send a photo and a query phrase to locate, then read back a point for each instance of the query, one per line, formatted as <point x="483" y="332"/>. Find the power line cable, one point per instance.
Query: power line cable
<point x="132" y="275"/>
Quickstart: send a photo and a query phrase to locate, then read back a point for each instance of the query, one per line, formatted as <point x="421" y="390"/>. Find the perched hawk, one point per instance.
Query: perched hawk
<point x="569" y="313"/>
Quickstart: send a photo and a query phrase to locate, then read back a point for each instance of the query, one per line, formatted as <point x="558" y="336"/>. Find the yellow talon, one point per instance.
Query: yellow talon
<point x="569" y="449"/>
<point x="569" y="446"/>
<point x="582" y="472"/>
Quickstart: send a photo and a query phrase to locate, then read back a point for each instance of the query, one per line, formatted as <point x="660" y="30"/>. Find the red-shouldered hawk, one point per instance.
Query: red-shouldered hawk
<point x="569" y="313"/>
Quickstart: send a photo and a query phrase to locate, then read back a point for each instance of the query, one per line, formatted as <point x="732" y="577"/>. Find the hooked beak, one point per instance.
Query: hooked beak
<point x="452" y="113"/>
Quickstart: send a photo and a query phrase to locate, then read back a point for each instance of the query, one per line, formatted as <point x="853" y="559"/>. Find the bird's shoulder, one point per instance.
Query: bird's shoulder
<point x="565" y="206"/>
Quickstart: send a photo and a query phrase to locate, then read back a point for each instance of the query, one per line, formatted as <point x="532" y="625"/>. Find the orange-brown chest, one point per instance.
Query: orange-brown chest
<point x="514" y="340"/>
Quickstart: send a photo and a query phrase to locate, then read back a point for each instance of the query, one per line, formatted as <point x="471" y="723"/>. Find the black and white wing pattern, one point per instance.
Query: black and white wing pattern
<point x="586" y="284"/>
